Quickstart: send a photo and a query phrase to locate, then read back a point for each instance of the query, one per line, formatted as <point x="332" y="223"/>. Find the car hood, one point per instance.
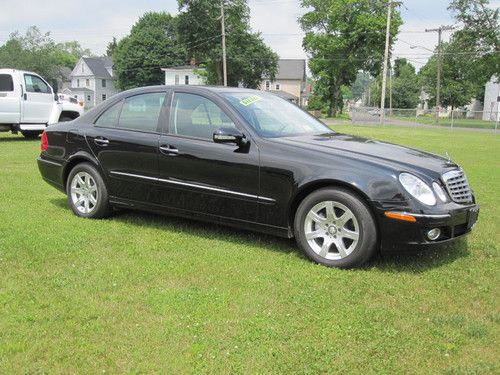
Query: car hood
<point x="391" y="155"/>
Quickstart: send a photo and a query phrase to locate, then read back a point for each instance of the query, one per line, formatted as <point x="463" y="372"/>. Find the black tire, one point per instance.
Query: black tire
<point x="365" y="229"/>
<point x="101" y="208"/>
<point x="31" y="134"/>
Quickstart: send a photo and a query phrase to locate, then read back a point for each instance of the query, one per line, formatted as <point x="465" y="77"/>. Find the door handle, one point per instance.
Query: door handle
<point x="100" y="141"/>
<point x="168" y="150"/>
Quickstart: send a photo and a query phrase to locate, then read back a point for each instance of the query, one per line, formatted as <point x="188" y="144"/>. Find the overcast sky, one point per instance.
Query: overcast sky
<point x="94" y="22"/>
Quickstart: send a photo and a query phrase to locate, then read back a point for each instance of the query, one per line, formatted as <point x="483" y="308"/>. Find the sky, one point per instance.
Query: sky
<point x="94" y="22"/>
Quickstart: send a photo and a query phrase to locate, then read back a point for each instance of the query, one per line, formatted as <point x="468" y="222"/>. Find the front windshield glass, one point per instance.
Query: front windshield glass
<point x="272" y="116"/>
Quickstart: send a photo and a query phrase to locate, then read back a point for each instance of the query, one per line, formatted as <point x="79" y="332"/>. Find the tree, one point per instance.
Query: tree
<point x="249" y="59"/>
<point x="405" y="85"/>
<point x="361" y="84"/>
<point x="38" y="52"/>
<point x="110" y="48"/>
<point x="457" y="87"/>
<point x="151" y="45"/>
<point x="480" y="35"/>
<point x="342" y="38"/>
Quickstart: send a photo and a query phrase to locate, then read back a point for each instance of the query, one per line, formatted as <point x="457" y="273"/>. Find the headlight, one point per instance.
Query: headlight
<point x="417" y="188"/>
<point x="440" y="192"/>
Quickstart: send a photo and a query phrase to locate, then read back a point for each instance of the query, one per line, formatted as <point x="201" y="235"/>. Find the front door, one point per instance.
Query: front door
<point x="125" y="141"/>
<point x="38" y="100"/>
<point x="198" y="175"/>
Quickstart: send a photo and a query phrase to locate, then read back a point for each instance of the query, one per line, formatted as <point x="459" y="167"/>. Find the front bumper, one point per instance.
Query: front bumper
<point x="399" y="235"/>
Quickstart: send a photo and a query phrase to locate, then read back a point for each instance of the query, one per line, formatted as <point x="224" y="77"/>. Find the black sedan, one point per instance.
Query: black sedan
<point x="249" y="159"/>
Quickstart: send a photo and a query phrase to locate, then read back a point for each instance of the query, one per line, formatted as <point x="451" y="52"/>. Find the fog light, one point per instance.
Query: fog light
<point x="434" y="234"/>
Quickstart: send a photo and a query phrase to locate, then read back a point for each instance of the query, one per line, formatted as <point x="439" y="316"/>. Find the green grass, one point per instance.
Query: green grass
<point x="140" y="293"/>
<point x="446" y="122"/>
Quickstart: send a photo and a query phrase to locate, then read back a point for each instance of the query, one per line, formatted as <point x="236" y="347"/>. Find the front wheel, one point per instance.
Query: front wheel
<point x="335" y="228"/>
<point x="87" y="193"/>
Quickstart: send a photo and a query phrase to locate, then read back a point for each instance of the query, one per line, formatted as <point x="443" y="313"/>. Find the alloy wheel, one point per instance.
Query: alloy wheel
<point x="84" y="193"/>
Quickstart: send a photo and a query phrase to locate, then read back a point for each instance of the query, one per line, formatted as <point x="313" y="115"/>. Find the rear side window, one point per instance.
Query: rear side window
<point x="109" y="118"/>
<point x="141" y="112"/>
<point x="36" y="84"/>
<point x="6" y="82"/>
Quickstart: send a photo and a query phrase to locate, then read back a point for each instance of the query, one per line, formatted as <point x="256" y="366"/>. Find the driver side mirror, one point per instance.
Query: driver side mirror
<point x="230" y="135"/>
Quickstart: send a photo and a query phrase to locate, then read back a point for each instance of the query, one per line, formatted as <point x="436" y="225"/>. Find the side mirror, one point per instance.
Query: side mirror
<point x="229" y="135"/>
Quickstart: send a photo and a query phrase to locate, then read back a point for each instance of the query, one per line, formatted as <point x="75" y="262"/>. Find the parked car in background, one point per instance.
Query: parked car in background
<point x="250" y="159"/>
<point x="28" y="104"/>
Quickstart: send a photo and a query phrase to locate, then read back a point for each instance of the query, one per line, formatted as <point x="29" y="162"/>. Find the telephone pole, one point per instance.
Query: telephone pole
<point x="386" y="58"/>
<point x="439" y="30"/>
<point x="224" y="62"/>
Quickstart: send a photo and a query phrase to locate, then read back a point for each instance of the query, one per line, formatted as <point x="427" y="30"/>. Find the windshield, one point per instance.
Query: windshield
<point x="272" y="116"/>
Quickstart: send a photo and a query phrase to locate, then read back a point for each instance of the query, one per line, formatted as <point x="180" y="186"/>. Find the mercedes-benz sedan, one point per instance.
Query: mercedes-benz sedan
<point x="249" y="159"/>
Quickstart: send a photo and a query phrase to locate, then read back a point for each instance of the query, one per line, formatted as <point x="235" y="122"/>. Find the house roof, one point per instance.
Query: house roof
<point x="291" y="69"/>
<point x="182" y="67"/>
<point x="98" y="65"/>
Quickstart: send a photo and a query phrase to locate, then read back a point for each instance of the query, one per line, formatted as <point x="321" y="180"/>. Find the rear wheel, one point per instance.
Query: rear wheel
<point x="87" y="193"/>
<point x="31" y="134"/>
<point x="335" y="228"/>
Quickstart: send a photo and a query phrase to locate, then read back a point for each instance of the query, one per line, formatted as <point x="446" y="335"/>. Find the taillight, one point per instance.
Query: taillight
<point x="45" y="142"/>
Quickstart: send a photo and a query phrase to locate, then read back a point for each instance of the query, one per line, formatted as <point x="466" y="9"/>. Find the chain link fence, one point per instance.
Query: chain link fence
<point x="457" y="118"/>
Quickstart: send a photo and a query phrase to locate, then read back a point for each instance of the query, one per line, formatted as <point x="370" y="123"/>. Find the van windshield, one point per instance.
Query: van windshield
<point x="272" y="116"/>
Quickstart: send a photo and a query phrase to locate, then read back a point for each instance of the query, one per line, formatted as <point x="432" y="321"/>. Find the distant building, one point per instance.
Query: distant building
<point x="491" y="106"/>
<point x="290" y="81"/>
<point x="92" y="81"/>
<point x="184" y="75"/>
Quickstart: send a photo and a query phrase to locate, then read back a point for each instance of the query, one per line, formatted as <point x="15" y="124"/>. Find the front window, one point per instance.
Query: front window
<point x="271" y="116"/>
<point x="36" y="84"/>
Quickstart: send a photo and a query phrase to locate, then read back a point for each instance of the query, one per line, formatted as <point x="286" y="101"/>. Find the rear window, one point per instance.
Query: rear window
<point x="6" y="82"/>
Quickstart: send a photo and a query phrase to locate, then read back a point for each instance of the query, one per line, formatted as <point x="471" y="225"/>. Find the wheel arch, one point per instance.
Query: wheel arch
<point x="313" y="186"/>
<point x="80" y="157"/>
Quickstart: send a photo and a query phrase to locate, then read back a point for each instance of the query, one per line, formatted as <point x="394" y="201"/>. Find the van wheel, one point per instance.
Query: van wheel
<point x="31" y="134"/>
<point x="335" y="228"/>
<point x="87" y="193"/>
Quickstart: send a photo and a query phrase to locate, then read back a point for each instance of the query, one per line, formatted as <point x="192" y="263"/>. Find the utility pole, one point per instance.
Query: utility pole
<point x="439" y="30"/>
<point x="224" y="62"/>
<point x="386" y="58"/>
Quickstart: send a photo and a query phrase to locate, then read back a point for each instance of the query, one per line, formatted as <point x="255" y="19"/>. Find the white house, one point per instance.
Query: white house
<point x="92" y="80"/>
<point x="290" y="81"/>
<point x="491" y="109"/>
<point x="184" y="75"/>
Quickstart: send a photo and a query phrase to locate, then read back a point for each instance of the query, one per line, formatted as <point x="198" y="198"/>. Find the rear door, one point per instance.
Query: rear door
<point x="125" y="141"/>
<point x="38" y="100"/>
<point x="10" y="100"/>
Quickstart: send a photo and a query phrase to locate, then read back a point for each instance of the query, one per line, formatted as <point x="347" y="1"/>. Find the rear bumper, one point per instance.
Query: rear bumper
<point x="397" y="235"/>
<point x="52" y="172"/>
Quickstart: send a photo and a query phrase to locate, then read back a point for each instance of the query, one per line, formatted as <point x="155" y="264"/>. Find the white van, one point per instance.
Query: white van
<point x="28" y="104"/>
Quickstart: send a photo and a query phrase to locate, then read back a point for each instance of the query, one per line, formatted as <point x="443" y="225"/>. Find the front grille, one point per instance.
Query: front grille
<point x="458" y="186"/>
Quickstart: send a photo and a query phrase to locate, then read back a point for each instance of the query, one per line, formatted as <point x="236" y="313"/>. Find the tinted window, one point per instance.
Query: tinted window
<point x="36" y="84"/>
<point x="6" y="83"/>
<point x="141" y="112"/>
<point x="109" y="118"/>
<point x="195" y="116"/>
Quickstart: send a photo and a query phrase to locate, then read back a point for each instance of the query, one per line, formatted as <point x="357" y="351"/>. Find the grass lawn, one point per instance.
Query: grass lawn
<point x="140" y="293"/>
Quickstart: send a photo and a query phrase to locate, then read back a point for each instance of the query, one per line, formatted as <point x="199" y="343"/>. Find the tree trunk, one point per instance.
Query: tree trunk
<point x="334" y="96"/>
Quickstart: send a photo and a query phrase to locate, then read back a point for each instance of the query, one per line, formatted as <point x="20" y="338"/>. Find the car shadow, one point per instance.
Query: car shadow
<point x="411" y="262"/>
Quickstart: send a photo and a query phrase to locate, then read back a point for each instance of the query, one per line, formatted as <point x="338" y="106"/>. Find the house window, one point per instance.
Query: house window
<point x="278" y="86"/>
<point x="77" y="83"/>
<point x="186" y="80"/>
<point x="103" y="83"/>
<point x="176" y="79"/>
<point x="268" y="85"/>
<point x="87" y="82"/>
<point x="103" y="97"/>
<point x="88" y="98"/>
<point x="83" y="68"/>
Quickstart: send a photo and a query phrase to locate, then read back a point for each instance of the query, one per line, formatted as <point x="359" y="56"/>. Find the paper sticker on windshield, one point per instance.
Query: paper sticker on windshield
<point x="252" y="99"/>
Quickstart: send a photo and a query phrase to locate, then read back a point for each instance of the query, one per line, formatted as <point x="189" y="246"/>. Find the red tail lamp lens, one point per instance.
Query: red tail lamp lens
<point x="45" y="142"/>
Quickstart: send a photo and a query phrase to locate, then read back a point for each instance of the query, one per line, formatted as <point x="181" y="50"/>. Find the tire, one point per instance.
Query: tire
<point x="87" y="192"/>
<point x="335" y="228"/>
<point x="31" y="134"/>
